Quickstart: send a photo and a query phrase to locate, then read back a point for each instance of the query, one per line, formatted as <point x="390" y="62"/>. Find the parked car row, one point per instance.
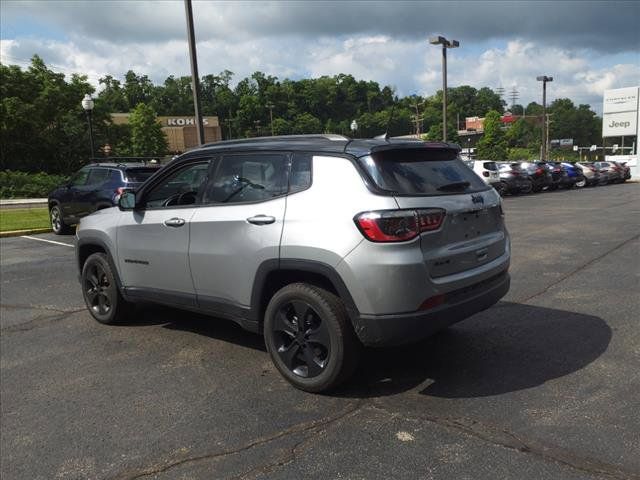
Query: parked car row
<point x="527" y="177"/>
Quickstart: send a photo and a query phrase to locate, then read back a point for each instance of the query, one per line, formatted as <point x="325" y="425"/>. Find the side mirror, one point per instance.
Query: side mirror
<point x="127" y="200"/>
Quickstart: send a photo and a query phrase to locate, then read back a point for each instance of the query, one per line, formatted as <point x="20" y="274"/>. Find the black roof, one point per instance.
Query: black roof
<point x="328" y="143"/>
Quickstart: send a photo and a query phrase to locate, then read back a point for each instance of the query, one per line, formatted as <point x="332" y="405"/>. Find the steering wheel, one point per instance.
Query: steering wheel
<point x="185" y="198"/>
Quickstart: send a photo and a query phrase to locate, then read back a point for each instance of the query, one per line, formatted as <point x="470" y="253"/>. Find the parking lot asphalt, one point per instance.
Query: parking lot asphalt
<point x="544" y="385"/>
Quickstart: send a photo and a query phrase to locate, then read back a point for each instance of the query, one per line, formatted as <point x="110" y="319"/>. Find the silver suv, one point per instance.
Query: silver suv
<point x="321" y="243"/>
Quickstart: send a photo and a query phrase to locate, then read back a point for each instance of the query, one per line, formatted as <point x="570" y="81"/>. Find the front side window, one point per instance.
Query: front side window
<point x="182" y="187"/>
<point x="248" y="178"/>
<point x="79" y="178"/>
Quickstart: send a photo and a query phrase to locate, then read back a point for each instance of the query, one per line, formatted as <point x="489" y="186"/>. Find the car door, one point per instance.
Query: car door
<point x="68" y="196"/>
<point x="85" y="196"/>
<point x="238" y="227"/>
<point x="153" y="239"/>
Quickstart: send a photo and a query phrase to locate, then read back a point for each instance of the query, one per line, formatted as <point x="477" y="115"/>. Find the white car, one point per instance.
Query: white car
<point x="487" y="170"/>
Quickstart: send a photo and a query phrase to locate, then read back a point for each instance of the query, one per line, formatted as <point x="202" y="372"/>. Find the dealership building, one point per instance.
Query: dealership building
<point x="180" y="131"/>
<point x="620" y="110"/>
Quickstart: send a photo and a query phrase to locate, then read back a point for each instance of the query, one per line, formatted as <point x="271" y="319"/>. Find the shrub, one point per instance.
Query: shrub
<point x="14" y="184"/>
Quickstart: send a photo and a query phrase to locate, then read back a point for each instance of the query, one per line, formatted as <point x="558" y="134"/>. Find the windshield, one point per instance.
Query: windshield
<point x="421" y="172"/>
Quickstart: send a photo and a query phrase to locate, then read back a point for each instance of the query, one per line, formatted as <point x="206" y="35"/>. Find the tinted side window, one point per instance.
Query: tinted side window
<point x="182" y="187"/>
<point x="248" y="178"/>
<point x="97" y="176"/>
<point x="80" y="177"/>
<point x="300" y="177"/>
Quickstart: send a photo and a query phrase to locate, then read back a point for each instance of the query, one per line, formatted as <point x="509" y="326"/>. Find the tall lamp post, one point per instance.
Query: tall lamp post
<point x="543" y="149"/>
<point x="445" y="44"/>
<point x="195" y="80"/>
<point x="87" y="104"/>
<point x="270" y="106"/>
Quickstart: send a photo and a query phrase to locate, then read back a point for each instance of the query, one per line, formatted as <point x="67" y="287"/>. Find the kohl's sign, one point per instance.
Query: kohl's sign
<point x="183" y="121"/>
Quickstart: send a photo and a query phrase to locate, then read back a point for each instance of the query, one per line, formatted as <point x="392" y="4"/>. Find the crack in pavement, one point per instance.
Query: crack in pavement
<point x="298" y="428"/>
<point x="578" y="269"/>
<point x="294" y="452"/>
<point x="503" y="438"/>
<point x="39" y="321"/>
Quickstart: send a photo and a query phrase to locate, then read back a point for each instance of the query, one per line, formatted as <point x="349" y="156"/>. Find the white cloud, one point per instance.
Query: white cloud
<point x="412" y="66"/>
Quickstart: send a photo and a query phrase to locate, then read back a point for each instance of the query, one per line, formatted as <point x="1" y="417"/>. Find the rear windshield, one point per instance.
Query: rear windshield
<point x="421" y="172"/>
<point x="139" y="174"/>
<point x="490" y="166"/>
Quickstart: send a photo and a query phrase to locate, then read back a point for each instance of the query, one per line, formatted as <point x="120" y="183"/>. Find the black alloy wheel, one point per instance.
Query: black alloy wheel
<point x="100" y="291"/>
<point x="302" y="339"/>
<point x="97" y="290"/>
<point x="310" y="338"/>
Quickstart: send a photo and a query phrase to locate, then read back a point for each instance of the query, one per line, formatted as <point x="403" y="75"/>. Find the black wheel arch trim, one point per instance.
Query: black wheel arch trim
<point x="305" y="266"/>
<point x="81" y="242"/>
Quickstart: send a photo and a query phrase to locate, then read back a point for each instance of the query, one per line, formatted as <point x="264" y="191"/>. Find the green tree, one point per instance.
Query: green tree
<point x="306" y="123"/>
<point x="42" y="124"/>
<point x="147" y="138"/>
<point x="493" y="144"/>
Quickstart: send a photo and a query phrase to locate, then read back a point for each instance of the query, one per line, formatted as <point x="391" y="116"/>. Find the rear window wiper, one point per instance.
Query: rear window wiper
<point x="453" y="186"/>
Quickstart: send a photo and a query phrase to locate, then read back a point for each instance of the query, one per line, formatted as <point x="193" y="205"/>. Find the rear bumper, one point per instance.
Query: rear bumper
<point x="390" y="330"/>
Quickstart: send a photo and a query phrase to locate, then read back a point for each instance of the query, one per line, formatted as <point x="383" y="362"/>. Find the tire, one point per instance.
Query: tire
<point x="581" y="183"/>
<point x="321" y="355"/>
<point x="100" y="291"/>
<point x="528" y="188"/>
<point x="501" y="188"/>
<point x="57" y="221"/>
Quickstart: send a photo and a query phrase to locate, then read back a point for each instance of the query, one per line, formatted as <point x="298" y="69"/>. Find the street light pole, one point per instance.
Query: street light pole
<point x="270" y="107"/>
<point x="543" y="150"/>
<point x="195" y="79"/>
<point x="445" y="44"/>
<point x="87" y="104"/>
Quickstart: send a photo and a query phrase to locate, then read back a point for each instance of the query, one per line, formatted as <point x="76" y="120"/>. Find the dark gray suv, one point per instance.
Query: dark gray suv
<point x="321" y="243"/>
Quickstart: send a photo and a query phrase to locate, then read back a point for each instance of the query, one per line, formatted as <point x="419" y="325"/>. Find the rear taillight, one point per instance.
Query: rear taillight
<point x="398" y="225"/>
<point x="593" y="169"/>
<point x="513" y="172"/>
<point x="485" y="174"/>
<point x="119" y="191"/>
<point x="539" y="171"/>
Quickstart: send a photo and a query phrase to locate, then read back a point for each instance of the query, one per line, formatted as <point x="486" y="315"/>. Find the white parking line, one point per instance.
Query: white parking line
<point x="44" y="240"/>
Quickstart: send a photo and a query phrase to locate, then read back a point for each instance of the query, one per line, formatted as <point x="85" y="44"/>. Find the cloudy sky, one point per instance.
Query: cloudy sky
<point x="587" y="46"/>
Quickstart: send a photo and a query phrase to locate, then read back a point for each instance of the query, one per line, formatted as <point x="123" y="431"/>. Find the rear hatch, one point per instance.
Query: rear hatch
<point x="472" y="232"/>
<point x="491" y="171"/>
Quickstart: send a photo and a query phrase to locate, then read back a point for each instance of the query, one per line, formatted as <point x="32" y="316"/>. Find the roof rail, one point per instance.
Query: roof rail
<point x="333" y="137"/>
<point x="124" y="160"/>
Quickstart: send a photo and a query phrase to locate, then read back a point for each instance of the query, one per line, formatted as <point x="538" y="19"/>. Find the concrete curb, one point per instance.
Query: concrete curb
<point x="18" y="233"/>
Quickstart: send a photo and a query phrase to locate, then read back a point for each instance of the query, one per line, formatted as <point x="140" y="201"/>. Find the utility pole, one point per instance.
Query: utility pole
<point x="195" y="79"/>
<point x="445" y="44"/>
<point x="544" y="79"/>
<point x="417" y="118"/>
<point x="270" y="107"/>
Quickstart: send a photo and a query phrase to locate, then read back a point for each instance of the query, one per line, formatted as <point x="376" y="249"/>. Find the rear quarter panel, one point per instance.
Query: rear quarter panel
<point x="319" y="222"/>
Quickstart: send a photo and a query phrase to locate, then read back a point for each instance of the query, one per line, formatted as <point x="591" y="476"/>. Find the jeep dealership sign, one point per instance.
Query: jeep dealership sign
<point x="620" y="112"/>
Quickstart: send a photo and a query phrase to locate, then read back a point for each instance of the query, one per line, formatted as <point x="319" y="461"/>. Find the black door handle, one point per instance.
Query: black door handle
<point x="261" y="219"/>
